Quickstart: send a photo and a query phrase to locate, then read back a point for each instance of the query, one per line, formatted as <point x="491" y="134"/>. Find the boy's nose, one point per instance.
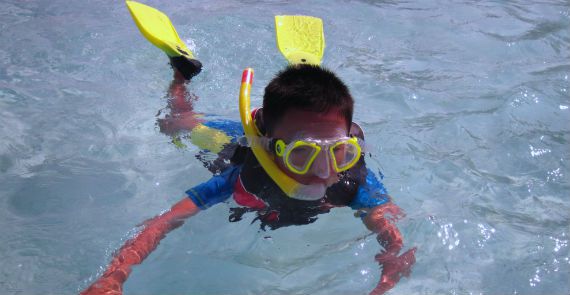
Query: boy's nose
<point x="321" y="166"/>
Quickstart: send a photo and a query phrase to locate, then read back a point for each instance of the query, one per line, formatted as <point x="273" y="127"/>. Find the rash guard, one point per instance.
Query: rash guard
<point x="244" y="178"/>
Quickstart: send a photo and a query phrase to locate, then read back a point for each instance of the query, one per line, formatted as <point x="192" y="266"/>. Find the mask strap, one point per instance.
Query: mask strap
<point x="258" y="121"/>
<point x="356" y="130"/>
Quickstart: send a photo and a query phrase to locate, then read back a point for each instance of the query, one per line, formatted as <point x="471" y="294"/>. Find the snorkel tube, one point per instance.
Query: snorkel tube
<point x="287" y="184"/>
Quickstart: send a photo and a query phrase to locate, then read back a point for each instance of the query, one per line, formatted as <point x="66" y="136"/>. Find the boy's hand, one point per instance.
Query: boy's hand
<point x="393" y="268"/>
<point x="382" y="220"/>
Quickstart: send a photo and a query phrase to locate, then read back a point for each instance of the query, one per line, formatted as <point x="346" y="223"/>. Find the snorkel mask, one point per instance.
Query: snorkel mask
<point x="298" y="155"/>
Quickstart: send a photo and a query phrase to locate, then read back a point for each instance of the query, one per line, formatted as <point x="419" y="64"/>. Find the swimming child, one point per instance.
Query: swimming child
<point x="301" y="156"/>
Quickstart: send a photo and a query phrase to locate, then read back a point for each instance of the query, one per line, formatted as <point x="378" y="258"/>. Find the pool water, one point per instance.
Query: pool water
<point x="464" y="105"/>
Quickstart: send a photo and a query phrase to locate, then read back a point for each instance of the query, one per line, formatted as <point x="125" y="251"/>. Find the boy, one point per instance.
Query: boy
<point x="303" y="155"/>
<point x="306" y="128"/>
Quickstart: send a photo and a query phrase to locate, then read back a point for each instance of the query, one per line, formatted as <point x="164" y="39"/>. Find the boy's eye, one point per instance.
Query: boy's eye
<point x="340" y="153"/>
<point x="302" y="151"/>
<point x="299" y="155"/>
<point x="339" y="149"/>
<point x="344" y="154"/>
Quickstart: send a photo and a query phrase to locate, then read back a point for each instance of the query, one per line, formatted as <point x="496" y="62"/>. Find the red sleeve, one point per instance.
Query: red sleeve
<point x="135" y="250"/>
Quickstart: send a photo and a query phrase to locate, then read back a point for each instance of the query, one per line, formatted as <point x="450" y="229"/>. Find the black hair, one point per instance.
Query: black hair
<point x="305" y="87"/>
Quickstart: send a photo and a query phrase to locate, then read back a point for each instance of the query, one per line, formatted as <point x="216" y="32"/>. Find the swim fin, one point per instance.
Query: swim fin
<point x="157" y="28"/>
<point x="300" y="38"/>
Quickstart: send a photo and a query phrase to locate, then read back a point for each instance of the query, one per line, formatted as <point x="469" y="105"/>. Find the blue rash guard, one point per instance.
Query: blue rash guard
<point x="370" y="194"/>
<point x="216" y="190"/>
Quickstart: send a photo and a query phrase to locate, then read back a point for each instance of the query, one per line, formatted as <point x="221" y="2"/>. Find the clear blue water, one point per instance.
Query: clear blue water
<point x="464" y="103"/>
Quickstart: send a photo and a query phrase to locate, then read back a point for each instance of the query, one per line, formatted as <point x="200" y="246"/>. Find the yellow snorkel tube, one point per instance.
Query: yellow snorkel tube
<point x="288" y="185"/>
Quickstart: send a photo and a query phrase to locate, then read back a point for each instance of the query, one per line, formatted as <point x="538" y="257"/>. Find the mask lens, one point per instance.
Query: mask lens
<point x="346" y="154"/>
<point x="300" y="157"/>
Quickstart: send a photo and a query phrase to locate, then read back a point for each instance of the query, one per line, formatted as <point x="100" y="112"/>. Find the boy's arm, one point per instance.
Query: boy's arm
<point x="180" y="103"/>
<point x="380" y="214"/>
<point x="381" y="220"/>
<point x="135" y="250"/>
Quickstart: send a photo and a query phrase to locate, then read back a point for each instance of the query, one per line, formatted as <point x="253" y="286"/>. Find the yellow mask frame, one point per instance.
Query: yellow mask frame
<point x="284" y="150"/>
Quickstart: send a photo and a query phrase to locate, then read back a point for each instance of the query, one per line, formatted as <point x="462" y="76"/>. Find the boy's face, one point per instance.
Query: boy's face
<point x="297" y="124"/>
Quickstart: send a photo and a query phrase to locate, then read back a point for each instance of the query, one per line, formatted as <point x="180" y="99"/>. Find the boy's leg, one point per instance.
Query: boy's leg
<point x="182" y="116"/>
<point x="186" y="66"/>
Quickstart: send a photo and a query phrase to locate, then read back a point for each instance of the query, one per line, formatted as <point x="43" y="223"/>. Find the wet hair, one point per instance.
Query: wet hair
<point x="304" y="87"/>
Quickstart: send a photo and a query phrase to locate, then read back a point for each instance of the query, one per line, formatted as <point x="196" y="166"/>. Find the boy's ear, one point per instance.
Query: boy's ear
<point x="258" y="120"/>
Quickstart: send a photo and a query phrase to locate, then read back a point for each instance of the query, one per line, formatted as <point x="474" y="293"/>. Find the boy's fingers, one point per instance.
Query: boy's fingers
<point x="395" y="267"/>
<point x="384" y="257"/>
<point x="408" y="259"/>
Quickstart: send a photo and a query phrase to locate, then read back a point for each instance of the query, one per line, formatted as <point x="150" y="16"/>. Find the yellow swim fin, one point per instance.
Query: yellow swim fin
<point x="300" y="38"/>
<point x="158" y="29"/>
